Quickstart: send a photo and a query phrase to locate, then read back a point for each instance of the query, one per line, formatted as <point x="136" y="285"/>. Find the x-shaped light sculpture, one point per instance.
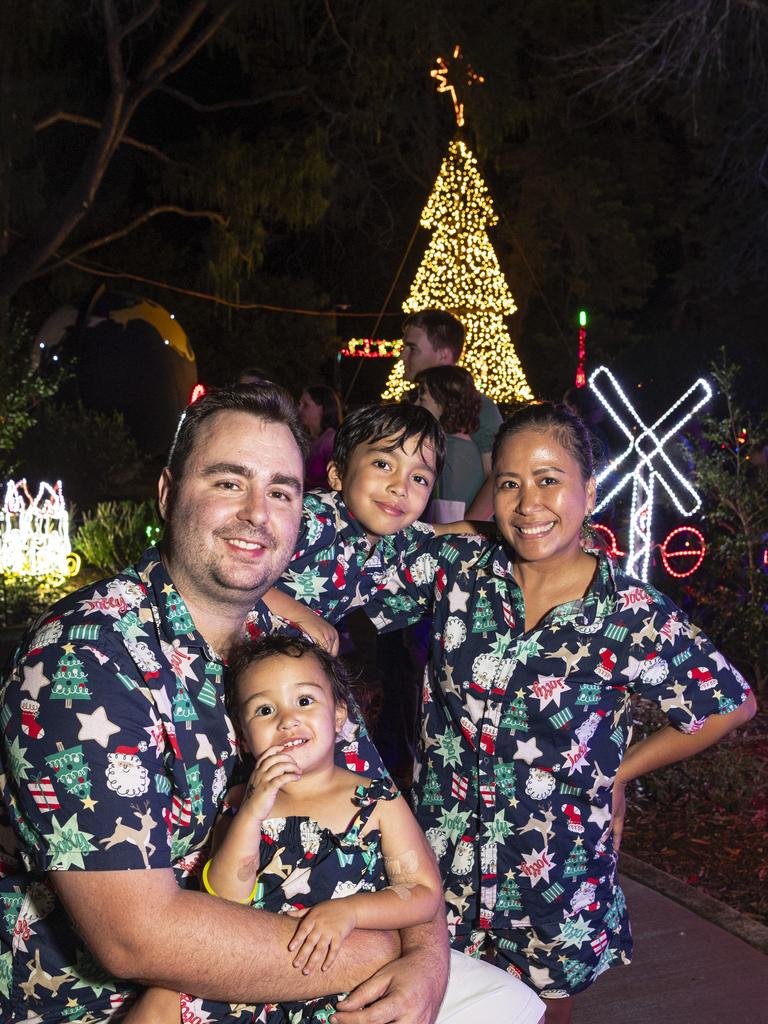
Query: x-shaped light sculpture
<point x="651" y="461"/>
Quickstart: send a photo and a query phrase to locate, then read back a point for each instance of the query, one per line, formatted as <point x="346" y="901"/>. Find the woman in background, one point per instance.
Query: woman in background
<point x="320" y="412"/>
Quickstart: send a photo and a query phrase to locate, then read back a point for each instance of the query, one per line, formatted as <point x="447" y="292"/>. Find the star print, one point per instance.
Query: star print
<point x="536" y="865"/>
<point x="548" y="689"/>
<point x="540" y="976"/>
<point x="204" y="748"/>
<point x="527" y="751"/>
<point x="574" y="932"/>
<point x="501" y="643"/>
<point x="600" y="815"/>
<point x="97" y="727"/>
<point x="34" y="680"/>
<point x="457" y="599"/>
<point x="722" y="663"/>
<point x="89" y="803"/>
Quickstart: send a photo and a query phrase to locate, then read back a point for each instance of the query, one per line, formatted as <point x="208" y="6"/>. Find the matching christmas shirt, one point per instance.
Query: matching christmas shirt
<point x="522" y="735"/>
<point x="116" y="752"/>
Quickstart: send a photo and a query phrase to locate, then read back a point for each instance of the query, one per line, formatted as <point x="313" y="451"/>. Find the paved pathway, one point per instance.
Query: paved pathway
<point x="686" y="969"/>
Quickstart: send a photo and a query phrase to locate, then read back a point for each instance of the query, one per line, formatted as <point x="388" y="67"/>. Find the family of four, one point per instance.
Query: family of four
<point x="195" y="824"/>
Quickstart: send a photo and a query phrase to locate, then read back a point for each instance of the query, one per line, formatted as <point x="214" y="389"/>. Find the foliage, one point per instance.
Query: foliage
<point x="116" y="532"/>
<point x="730" y="591"/>
<point x="22" y="391"/>
<point x="92" y="453"/>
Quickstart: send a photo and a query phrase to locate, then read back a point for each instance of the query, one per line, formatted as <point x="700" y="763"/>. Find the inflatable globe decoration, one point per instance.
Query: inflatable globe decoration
<point x="129" y="355"/>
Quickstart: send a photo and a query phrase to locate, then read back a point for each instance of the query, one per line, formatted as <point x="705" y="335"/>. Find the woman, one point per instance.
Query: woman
<point x="539" y="644"/>
<point x="320" y="412"/>
<point x="450" y="395"/>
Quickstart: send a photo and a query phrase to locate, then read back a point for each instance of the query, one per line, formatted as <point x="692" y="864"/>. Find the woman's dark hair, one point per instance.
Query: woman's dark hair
<point x="395" y="424"/>
<point x="453" y="388"/>
<point x="569" y="430"/>
<point x="251" y="652"/>
<point x="329" y="402"/>
<point x="264" y="401"/>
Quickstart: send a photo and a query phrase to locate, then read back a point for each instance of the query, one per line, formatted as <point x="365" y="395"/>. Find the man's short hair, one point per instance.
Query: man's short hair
<point x="442" y="329"/>
<point x="266" y="401"/>
<point x="395" y="423"/>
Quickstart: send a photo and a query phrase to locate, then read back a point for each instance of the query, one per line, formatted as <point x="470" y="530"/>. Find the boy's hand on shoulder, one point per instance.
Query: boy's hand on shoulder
<point x="320" y="632"/>
<point x="319" y="936"/>
<point x="274" y="769"/>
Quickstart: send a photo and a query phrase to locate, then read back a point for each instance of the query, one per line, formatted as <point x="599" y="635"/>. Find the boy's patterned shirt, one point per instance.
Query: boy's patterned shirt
<point x="336" y="567"/>
<point x="116" y="752"/>
<point x="523" y="733"/>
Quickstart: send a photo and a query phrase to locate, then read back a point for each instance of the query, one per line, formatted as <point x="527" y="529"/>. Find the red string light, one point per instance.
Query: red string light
<point x="697" y="553"/>
<point x="197" y="393"/>
<point x="613" y="550"/>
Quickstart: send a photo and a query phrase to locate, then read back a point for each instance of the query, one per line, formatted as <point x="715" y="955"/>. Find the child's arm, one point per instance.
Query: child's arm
<point x="317" y="629"/>
<point x="155" y="1006"/>
<point x="233" y="869"/>
<point x="412" y="897"/>
<point x="483" y="527"/>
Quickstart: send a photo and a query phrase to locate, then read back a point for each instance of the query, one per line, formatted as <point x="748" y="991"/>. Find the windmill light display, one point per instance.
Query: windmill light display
<point x="645" y="460"/>
<point x="34" y="533"/>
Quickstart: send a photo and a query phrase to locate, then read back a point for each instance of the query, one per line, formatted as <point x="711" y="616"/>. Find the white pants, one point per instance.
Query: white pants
<point x="478" y="991"/>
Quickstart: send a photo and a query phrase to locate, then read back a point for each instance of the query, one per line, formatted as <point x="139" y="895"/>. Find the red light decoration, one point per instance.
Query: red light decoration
<point x="197" y="393"/>
<point x="613" y="549"/>
<point x="688" y="551"/>
<point x="372" y="348"/>
<point x="581" y="376"/>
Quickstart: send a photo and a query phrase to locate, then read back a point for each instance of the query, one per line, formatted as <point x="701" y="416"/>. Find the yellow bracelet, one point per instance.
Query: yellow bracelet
<point x="209" y="890"/>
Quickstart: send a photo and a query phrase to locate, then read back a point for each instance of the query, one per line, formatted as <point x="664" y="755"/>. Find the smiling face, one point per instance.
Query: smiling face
<point x="386" y="490"/>
<point x="310" y="413"/>
<point x="420" y="354"/>
<point x="541" y="498"/>
<point x="288" y="702"/>
<point x="234" y="516"/>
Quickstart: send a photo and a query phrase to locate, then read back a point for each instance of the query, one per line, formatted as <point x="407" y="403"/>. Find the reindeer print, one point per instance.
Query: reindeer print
<point x="138" y="837"/>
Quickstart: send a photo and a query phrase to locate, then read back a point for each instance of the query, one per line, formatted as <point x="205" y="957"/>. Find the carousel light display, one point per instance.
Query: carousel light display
<point x="34" y="533"/>
<point x="649" y="449"/>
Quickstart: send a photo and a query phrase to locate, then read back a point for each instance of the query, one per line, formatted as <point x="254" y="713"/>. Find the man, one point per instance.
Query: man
<point x="116" y="751"/>
<point x="436" y="338"/>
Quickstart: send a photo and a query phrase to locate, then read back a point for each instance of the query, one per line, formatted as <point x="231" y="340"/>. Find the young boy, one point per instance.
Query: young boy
<point x="386" y="459"/>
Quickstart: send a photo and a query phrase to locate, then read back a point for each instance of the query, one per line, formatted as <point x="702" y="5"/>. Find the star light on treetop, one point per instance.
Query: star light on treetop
<point x="441" y="72"/>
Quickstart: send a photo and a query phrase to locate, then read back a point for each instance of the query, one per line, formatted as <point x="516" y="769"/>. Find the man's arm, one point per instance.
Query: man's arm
<point x="409" y="990"/>
<point x="140" y="925"/>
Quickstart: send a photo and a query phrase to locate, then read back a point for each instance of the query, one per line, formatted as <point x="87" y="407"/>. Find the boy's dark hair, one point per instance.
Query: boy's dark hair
<point x="396" y="423"/>
<point x="329" y="402"/>
<point x="266" y="401"/>
<point x="453" y="388"/>
<point x="250" y="652"/>
<point x="443" y="329"/>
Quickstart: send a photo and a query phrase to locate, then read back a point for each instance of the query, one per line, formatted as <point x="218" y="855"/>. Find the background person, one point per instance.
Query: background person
<point x="451" y="396"/>
<point x="320" y="412"/>
<point x="538" y="647"/>
<point x="434" y="337"/>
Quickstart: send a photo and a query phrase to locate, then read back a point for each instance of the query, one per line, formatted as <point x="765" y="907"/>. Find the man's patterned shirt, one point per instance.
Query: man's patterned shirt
<point x="116" y="753"/>
<point x="522" y="735"/>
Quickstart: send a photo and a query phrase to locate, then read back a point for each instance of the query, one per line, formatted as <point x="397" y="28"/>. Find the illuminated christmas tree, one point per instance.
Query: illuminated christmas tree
<point x="460" y="273"/>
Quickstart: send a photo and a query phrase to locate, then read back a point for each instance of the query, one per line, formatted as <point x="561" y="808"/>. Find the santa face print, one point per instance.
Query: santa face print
<point x="288" y="702"/>
<point x="540" y="497"/>
<point x="234" y="515"/>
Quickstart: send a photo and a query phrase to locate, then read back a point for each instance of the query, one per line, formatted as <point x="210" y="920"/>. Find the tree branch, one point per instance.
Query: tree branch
<point x="213" y="108"/>
<point x="91" y="122"/>
<point x="97" y="243"/>
<point x="138" y="19"/>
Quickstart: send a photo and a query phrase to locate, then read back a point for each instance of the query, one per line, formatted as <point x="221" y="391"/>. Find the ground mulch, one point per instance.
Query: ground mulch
<point x="706" y="821"/>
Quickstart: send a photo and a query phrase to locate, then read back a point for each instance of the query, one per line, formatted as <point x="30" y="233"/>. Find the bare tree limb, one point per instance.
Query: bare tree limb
<point x="139" y="18"/>
<point x="213" y="108"/>
<point x="91" y="122"/>
<point x="97" y="243"/>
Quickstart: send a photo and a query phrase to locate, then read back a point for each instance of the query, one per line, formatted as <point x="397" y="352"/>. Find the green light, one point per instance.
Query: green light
<point x="582" y="318"/>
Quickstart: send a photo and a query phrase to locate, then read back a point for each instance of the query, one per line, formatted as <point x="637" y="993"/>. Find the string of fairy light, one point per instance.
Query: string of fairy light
<point x="460" y="273"/>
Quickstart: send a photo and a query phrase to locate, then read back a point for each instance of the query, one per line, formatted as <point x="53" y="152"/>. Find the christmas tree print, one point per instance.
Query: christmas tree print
<point x="208" y="691"/>
<point x="576" y="862"/>
<point x="575" y="971"/>
<point x="506" y="778"/>
<point x="509" y="895"/>
<point x="589" y="693"/>
<point x="195" y="788"/>
<point x="482" y="615"/>
<point x="515" y="717"/>
<point x="432" y="796"/>
<point x="178" y="616"/>
<point x="183" y="708"/>
<point x="725" y="704"/>
<point x="69" y="769"/>
<point x="69" y="680"/>
<point x="460" y="273"/>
